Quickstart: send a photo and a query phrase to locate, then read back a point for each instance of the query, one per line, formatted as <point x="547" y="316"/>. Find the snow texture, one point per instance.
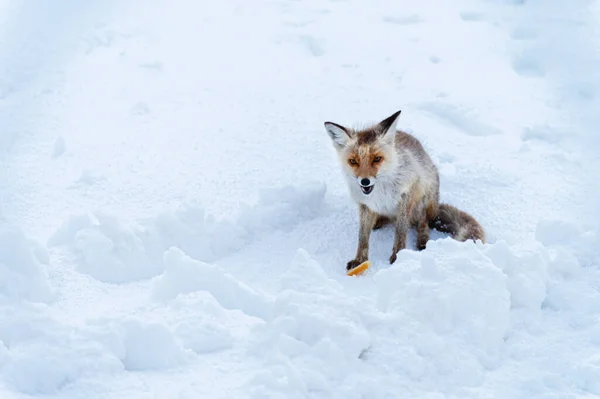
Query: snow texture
<point x="23" y="264"/>
<point x="174" y="222"/>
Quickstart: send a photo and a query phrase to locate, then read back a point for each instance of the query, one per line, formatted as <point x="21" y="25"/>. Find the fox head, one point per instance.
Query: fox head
<point x="366" y="155"/>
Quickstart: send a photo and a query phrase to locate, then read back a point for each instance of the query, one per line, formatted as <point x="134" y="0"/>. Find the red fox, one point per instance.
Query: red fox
<point x="394" y="181"/>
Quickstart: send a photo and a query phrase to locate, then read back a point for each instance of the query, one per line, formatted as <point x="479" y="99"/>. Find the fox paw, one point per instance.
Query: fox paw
<point x="353" y="263"/>
<point x="421" y="245"/>
<point x="393" y="258"/>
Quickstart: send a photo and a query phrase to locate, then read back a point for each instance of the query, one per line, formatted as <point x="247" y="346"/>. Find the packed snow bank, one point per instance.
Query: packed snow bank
<point x="204" y="325"/>
<point x="449" y="309"/>
<point x="315" y="337"/>
<point x="42" y="356"/>
<point x="526" y="272"/>
<point x="204" y="335"/>
<point x="581" y="242"/>
<point x="442" y="320"/>
<point x="108" y="251"/>
<point x="450" y="319"/>
<point x="203" y="237"/>
<point x="22" y="267"/>
<point x="141" y="345"/>
<point x="184" y="274"/>
<point x="113" y="253"/>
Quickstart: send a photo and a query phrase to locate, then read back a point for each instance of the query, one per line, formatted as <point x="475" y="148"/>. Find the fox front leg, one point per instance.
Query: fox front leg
<point x="367" y="221"/>
<point x="401" y="230"/>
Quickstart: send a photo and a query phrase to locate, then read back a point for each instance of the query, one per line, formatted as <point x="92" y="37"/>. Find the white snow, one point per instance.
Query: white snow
<point x="106" y="250"/>
<point x="184" y="275"/>
<point x="22" y="273"/>
<point x="174" y="224"/>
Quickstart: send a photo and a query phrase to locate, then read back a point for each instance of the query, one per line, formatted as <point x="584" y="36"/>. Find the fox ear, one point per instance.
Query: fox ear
<point x="388" y="125"/>
<point x="338" y="133"/>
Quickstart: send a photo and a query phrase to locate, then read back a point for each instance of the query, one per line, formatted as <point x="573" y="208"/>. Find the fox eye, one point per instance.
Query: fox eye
<point x="377" y="159"/>
<point x="352" y="162"/>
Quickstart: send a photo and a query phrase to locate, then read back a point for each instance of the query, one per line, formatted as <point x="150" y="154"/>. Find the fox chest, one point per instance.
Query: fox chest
<point x="384" y="200"/>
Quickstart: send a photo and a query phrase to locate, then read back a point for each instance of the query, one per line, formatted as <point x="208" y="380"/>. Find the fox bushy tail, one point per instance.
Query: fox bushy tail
<point x="459" y="224"/>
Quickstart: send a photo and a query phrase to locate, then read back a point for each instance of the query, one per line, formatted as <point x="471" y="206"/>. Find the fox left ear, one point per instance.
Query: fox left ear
<point x="388" y="125"/>
<point x="338" y="134"/>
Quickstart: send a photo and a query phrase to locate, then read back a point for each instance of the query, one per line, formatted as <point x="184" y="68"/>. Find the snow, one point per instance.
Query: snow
<point x="184" y="275"/>
<point x="174" y="223"/>
<point x="22" y="274"/>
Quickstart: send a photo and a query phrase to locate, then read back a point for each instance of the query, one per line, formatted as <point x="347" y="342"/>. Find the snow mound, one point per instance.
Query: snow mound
<point x="113" y="253"/>
<point x="527" y="274"/>
<point x="172" y="334"/>
<point x="166" y="351"/>
<point x="199" y="235"/>
<point x="442" y="302"/>
<point x="146" y="345"/>
<point x="44" y="366"/>
<point x="41" y="356"/>
<point x="106" y="250"/>
<point x="315" y="325"/>
<point x="204" y="335"/>
<point x="573" y="285"/>
<point x="202" y="237"/>
<point x="558" y="234"/>
<point x="184" y="274"/>
<point x="306" y="275"/>
<point x="204" y="326"/>
<point x="22" y="275"/>
<point x="139" y="344"/>
<point x="440" y="320"/>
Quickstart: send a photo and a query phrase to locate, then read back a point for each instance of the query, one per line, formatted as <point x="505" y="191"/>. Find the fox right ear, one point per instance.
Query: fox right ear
<point x="389" y="124"/>
<point x="338" y="133"/>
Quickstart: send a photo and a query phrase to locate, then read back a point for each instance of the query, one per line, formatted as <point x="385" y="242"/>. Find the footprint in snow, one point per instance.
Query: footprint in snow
<point x="522" y="33"/>
<point x="140" y="108"/>
<point x="471" y="16"/>
<point x="298" y="24"/>
<point x="528" y="67"/>
<point x="458" y="118"/>
<point x="155" y="65"/>
<point x="403" y="20"/>
<point x="87" y="178"/>
<point x="546" y="134"/>
<point x="314" y="46"/>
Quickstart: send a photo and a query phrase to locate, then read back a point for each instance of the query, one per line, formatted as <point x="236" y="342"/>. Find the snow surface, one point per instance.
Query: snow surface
<point x="173" y="222"/>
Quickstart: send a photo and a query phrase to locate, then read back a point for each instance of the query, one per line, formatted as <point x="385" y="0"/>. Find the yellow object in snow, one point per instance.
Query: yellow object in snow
<point x="359" y="269"/>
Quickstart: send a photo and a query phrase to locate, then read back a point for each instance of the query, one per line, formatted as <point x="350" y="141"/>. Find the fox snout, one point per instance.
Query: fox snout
<point x="366" y="185"/>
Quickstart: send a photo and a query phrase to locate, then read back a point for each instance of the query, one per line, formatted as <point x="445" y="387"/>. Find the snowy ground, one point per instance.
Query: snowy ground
<point x="173" y="223"/>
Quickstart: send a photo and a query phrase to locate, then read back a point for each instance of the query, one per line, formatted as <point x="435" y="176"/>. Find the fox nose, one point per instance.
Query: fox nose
<point x="365" y="182"/>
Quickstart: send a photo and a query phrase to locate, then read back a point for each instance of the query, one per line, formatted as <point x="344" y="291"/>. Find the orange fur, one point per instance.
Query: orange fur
<point x="367" y="160"/>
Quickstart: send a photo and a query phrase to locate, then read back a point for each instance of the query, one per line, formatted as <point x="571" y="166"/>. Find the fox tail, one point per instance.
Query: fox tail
<point x="459" y="224"/>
